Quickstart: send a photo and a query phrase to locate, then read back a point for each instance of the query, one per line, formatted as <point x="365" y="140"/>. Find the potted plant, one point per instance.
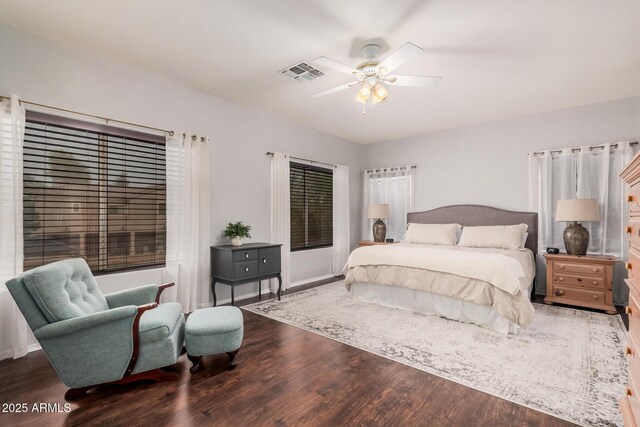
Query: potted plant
<point x="236" y="232"/>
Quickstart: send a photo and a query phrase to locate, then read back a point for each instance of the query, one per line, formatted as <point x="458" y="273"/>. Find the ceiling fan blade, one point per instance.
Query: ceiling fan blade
<point x="335" y="89"/>
<point x="330" y="63"/>
<point x="415" y="81"/>
<point x="404" y="54"/>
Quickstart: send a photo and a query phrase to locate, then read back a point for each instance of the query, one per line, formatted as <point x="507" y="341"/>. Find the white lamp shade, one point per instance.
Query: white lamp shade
<point x="580" y="210"/>
<point x="378" y="211"/>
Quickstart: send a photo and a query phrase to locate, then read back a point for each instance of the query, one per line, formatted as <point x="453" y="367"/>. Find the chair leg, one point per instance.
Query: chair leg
<point x="156" y="375"/>
<point x="232" y="356"/>
<point x="195" y="360"/>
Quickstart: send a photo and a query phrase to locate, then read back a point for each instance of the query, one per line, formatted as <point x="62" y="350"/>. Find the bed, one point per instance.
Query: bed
<point x="488" y="287"/>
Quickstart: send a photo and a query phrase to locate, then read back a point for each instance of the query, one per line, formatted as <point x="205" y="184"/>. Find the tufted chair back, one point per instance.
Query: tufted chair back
<point x="63" y="290"/>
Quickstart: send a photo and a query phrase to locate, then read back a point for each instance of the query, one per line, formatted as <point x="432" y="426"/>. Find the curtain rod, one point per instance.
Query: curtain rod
<point x="170" y="132"/>
<point x="269" y="153"/>
<point x="575" y="150"/>
<point x="390" y="169"/>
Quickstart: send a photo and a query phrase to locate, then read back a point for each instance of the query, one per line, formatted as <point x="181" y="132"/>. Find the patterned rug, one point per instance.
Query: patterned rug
<point x="569" y="363"/>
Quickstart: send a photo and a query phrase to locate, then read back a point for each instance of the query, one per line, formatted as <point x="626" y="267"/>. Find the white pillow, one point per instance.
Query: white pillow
<point x="496" y="236"/>
<point x="432" y="234"/>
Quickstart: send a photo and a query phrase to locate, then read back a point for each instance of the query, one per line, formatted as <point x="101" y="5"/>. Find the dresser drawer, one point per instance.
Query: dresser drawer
<point x="247" y="255"/>
<point x="633" y="232"/>
<point x="582" y="268"/>
<point x="633" y="267"/>
<point x="633" y="311"/>
<point x="571" y="295"/>
<point x="588" y="282"/>
<point x="269" y="260"/>
<point x="245" y="269"/>
<point x="633" y="200"/>
<point x="630" y="409"/>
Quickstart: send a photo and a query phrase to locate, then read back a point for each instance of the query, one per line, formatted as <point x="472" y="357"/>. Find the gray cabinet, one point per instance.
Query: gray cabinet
<point x="251" y="262"/>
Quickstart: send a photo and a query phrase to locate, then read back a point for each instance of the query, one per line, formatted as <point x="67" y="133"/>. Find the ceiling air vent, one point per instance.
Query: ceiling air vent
<point x="302" y="72"/>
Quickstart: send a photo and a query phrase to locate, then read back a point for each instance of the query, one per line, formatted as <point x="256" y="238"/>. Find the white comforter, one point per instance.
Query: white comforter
<point x="501" y="271"/>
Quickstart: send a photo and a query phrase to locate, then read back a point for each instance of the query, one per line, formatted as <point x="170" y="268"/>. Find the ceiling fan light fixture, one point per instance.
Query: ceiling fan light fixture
<point x="379" y="94"/>
<point x="363" y="94"/>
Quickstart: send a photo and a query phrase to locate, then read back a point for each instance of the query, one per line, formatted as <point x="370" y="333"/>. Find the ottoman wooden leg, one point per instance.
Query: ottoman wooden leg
<point x="232" y="356"/>
<point x="196" y="363"/>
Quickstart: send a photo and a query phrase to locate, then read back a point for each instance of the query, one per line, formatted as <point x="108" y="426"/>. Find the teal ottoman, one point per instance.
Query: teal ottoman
<point x="213" y="330"/>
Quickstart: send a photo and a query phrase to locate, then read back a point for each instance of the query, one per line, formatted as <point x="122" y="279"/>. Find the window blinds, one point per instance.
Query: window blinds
<point x="95" y="192"/>
<point x="311" y="206"/>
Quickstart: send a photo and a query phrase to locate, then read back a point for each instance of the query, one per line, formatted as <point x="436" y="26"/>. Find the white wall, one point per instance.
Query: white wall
<point x="487" y="164"/>
<point x="40" y="71"/>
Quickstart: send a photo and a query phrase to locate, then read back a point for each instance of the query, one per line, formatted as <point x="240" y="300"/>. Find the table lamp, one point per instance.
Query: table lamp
<point x="576" y="237"/>
<point x="379" y="211"/>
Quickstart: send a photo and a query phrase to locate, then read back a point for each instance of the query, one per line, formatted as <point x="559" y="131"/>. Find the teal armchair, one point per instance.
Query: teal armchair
<point x="93" y="339"/>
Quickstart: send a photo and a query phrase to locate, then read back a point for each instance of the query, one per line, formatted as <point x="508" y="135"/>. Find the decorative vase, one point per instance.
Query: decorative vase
<point x="236" y="241"/>
<point x="576" y="239"/>
<point x="379" y="231"/>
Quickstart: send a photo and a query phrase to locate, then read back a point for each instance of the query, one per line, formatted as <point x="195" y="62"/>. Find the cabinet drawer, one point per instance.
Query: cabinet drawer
<point x="269" y="260"/>
<point x="561" y="293"/>
<point x="247" y="255"/>
<point x="587" y="282"/>
<point x="580" y="268"/>
<point x="633" y="310"/>
<point x="245" y="269"/>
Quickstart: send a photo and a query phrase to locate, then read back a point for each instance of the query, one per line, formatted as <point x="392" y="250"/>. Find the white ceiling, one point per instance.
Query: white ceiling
<point x="500" y="58"/>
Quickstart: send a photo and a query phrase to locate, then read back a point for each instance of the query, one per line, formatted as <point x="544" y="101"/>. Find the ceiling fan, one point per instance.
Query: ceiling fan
<point x="373" y="76"/>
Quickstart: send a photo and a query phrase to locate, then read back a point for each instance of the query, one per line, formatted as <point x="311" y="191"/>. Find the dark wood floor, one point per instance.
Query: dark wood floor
<point x="285" y="377"/>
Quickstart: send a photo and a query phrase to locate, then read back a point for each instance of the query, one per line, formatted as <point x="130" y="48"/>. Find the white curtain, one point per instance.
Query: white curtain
<point x="394" y="186"/>
<point x="281" y="215"/>
<point x="341" y="233"/>
<point x="188" y="220"/>
<point x="14" y="331"/>
<point x="584" y="173"/>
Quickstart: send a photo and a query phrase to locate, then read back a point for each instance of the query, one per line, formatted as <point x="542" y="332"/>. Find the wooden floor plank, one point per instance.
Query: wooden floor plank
<point x="285" y="377"/>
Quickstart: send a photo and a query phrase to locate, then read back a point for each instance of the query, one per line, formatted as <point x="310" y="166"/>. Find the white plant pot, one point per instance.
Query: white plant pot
<point x="236" y="241"/>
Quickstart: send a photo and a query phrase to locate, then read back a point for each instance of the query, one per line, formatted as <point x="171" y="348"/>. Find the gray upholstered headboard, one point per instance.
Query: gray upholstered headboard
<point x="471" y="215"/>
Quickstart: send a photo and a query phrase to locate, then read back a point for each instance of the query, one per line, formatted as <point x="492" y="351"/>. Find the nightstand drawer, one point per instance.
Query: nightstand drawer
<point x="571" y="295"/>
<point x="582" y="268"/>
<point x="587" y="282"/>
<point x="246" y="255"/>
<point x="245" y="269"/>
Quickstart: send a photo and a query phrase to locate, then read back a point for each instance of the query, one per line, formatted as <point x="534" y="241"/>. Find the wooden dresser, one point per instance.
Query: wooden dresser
<point x="630" y="404"/>
<point x="584" y="281"/>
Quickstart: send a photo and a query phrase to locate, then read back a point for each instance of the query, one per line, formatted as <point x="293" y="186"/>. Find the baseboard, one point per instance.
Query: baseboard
<point x="33" y="347"/>
<point x="311" y="280"/>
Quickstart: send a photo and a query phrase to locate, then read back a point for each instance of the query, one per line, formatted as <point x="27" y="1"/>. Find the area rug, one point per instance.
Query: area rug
<point x="568" y="363"/>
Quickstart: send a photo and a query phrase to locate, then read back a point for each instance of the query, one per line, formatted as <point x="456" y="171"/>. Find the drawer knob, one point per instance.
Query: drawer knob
<point x="629" y="392"/>
<point x="246" y="269"/>
<point x="627" y="266"/>
<point x="595" y="297"/>
<point x="628" y="351"/>
<point x="561" y="267"/>
<point x="628" y="230"/>
<point x="629" y="198"/>
<point x="559" y="293"/>
<point x="628" y="310"/>
<point x="264" y="260"/>
<point x="561" y="278"/>
<point x="595" y="282"/>
<point x="246" y="254"/>
<point x="595" y="269"/>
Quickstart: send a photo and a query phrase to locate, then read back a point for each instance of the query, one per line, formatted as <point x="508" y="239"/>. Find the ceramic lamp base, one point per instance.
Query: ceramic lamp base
<point x="379" y="231"/>
<point x="576" y="239"/>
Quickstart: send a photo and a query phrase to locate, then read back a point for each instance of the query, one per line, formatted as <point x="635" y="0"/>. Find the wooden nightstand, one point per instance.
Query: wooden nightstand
<point x="584" y="281"/>
<point x="372" y="243"/>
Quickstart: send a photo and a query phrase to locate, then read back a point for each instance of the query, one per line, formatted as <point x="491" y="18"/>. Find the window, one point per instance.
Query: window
<point x="393" y="186"/>
<point x="93" y="191"/>
<point x="311" y="207"/>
